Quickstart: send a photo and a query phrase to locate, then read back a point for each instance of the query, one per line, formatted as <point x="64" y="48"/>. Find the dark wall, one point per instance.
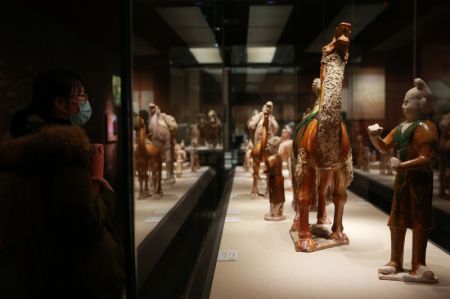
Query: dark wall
<point x="40" y="37"/>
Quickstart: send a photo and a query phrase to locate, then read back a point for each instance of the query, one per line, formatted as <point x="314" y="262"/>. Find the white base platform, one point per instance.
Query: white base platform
<point x="267" y="265"/>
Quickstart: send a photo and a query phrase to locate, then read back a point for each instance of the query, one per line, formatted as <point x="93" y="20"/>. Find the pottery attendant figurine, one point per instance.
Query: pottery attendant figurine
<point x="414" y="140"/>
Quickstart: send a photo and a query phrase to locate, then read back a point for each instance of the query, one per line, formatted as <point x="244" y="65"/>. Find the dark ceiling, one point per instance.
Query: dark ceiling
<point x="380" y="27"/>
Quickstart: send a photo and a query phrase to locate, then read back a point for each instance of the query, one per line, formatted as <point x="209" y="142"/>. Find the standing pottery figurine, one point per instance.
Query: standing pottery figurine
<point x="285" y="149"/>
<point x="262" y="127"/>
<point x="180" y="158"/>
<point x="213" y="130"/>
<point x="274" y="165"/>
<point x="414" y="140"/>
<point x="162" y="129"/>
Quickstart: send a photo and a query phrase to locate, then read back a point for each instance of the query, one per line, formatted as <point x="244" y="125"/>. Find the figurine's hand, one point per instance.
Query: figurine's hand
<point x="374" y="130"/>
<point x="395" y="163"/>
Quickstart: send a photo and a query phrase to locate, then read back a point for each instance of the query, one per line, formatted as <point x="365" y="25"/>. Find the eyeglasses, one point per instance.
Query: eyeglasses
<point x="75" y="97"/>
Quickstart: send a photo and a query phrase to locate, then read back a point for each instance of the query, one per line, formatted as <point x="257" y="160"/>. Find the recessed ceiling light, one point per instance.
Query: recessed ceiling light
<point x="206" y="55"/>
<point x="260" y="54"/>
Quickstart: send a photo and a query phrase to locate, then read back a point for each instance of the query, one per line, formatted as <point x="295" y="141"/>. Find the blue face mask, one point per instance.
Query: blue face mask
<point x="82" y="116"/>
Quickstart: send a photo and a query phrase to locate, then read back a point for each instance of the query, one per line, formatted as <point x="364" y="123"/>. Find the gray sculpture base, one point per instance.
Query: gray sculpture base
<point x="320" y="234"/>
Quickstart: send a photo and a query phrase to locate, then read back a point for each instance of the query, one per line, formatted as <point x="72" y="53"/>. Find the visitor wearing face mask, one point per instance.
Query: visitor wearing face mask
<point x="55" y="230"/>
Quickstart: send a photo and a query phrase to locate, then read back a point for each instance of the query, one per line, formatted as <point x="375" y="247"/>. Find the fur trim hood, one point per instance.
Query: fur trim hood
<point x="53" y="146"/>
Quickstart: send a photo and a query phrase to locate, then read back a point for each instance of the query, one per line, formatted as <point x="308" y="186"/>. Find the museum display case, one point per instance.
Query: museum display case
<point x="240" y="139"/>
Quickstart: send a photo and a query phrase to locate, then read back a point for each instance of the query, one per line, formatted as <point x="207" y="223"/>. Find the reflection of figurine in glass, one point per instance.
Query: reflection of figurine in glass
<point x="414" y="140"/>
<point x="385" y="165"/>
<point x="321" y="142"/>
<point x="366" y="158"/>
<point x="213" y="129"/>
<point x="161" y="132"/>
<point x="285" y="149"/>
<point x="201" y="127"/>
<point x="147" y="157"/>
<point x="180" y="158"/>
<point x="274" y="165"/>
<point x="193" y="155"/>
<point x="444" y="156"/>
<point x="359" y="151"/>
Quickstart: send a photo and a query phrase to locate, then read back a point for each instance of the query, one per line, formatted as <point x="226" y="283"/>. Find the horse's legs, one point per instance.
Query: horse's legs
<point x="325" y="176"/>
<point x="339" y="199"/>
<point x="256" y="164"/>
<point x="158" y="173"/>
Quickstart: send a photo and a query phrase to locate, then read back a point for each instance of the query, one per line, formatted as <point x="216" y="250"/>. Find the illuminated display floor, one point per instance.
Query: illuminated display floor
<point x="268" y="266"/>
<point x="149" y="211"/>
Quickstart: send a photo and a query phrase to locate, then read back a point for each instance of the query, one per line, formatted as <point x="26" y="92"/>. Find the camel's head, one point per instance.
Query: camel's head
<point x="340" y="42"/>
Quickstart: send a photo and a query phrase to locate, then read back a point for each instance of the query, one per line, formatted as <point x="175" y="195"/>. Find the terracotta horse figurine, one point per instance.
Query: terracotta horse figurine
<point x="321" y="143"/>
<point x="162" y="131"/>
<point x="258" y="153"/>
<point x="147" y="157"/>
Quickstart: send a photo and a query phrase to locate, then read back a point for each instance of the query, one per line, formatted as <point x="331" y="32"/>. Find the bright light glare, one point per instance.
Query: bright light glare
<point x="260" y="54"/>
<point x="206" y="55"/>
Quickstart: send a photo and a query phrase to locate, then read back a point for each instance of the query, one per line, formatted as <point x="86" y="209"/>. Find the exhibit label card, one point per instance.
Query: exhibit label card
<point x="227" y="255"/>
<point x="153" y="219"/>
<point x="232" y="219"/>
<point x="233" y="211"/>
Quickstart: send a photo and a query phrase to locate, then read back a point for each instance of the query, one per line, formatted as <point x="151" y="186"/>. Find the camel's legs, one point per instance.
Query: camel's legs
<point x="325" y="176"/>
<point x="305" y="242"/>
<point x="339" y="199"/>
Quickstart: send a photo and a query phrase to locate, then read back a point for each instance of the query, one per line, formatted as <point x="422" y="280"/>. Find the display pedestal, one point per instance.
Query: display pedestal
<point x="407" y="277"/>
<point x="320" y="234"/>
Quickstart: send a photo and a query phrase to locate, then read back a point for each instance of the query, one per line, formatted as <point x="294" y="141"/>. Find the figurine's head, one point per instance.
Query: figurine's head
<point x="417" y="102"/>
<point x="212" y="116"/>
<point x="268" y="107"/>
<point x="273" y="145"/>
<point x="316" y="87"/>
<point x="286" y="133"/>
<point x="152" y="108"/>
<point x="201" y="118"/>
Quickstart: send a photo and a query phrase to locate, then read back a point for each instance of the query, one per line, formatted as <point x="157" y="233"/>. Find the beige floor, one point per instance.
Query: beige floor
<point x="268" y="266"/>
<point x="154" y="209"/>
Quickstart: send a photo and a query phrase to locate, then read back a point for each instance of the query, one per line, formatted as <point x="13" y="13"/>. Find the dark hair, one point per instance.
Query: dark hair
<point x="46" y="87"/>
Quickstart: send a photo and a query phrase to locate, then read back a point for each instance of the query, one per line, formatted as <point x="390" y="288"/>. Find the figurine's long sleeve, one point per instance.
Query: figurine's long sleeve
<point x="383" y="145"/>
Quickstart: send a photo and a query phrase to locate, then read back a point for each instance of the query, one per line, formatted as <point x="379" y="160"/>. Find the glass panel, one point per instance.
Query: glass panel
<point x="177" y="105"/>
